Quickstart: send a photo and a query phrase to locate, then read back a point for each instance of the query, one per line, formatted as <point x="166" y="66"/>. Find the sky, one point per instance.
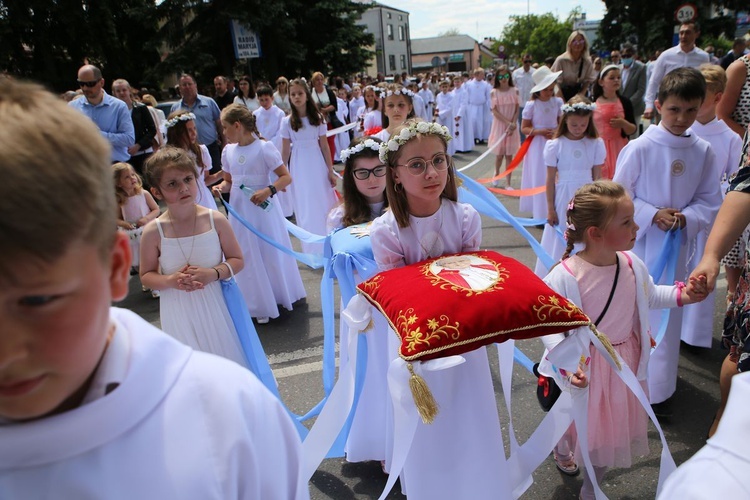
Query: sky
<point x="481" y="18"/>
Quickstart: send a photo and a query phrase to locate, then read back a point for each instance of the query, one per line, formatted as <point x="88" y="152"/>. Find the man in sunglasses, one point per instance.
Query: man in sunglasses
<point x="523" y="81"/>
<point x="111" y="115"/>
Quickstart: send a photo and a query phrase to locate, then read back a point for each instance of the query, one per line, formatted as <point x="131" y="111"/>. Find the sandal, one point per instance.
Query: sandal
<point x="567" y="464"/>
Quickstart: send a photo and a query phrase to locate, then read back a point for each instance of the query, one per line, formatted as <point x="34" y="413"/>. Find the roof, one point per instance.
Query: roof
<point x="456" y="43"/>
<point x="378" y="4"/>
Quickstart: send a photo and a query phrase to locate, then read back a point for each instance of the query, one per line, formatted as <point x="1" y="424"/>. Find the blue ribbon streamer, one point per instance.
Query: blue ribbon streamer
<point x="666" y="261"/>
<point x="486" y="203"/>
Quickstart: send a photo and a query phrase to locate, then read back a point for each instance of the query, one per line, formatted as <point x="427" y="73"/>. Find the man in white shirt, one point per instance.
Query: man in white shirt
<point x="686" y="54"/>
<point x="522" y="79"/>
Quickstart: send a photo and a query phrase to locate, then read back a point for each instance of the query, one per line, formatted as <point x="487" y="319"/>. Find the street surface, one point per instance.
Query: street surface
<point x="294" y="343"/>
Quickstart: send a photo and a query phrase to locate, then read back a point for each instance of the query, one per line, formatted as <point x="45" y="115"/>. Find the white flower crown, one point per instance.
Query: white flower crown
<point x="410" y="132"/>
<point x="375" y="89"/>
<point x="403" y="91"/>
<point x="368" y="143"/>
<point x="579" y="106"/>
<point x="181" y="118"/>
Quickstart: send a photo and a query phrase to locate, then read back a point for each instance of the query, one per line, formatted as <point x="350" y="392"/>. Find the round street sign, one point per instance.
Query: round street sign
<point x="686" y="12"/>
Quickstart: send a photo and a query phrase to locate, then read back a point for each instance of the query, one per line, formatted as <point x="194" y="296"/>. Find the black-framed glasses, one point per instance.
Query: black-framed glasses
<point x="364" y="173"/>
<point x="418" y="166"/>
<point x="92" y="83"/>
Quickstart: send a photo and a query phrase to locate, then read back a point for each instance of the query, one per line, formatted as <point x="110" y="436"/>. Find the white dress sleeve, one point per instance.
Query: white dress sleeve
<point x="471" y="229"/>
<point x="386" y="246"/>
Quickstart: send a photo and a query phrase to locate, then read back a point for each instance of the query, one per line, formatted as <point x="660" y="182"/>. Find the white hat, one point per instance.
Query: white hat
<point x="543" y="78"/>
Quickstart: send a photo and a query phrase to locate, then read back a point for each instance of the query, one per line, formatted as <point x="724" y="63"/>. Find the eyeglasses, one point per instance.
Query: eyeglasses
<point x="578" y="42"/>
<point x="528" y="61"/>
<point x="418" y="166"/>
<point x="364" y="174"/>
<point x="92" y="83"/>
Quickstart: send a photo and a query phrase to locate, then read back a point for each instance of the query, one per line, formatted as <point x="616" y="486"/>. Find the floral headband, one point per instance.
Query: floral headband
<point x="181" y="118"/>
<point x="410" y="132"/>
<point x="375" y="89"/>
<point x="368" y="143"/>
<point x="403" y="91"/>
<point x="579" y="106"/>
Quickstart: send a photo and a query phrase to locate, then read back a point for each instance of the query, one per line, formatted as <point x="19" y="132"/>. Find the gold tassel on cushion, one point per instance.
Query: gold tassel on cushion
<point x="607" y="345"/>
<point x="423" y="398"/>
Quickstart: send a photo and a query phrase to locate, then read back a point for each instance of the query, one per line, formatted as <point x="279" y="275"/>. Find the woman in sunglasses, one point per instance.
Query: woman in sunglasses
<point x="577" y="68"/>
<point x="281" y="96"/>
<point x="504" y="105"/>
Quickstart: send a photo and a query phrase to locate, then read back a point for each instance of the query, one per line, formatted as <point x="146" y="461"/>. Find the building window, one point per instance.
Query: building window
<point x="392" y="62"/>
<point x="403" y="61"/>
<point x="389" y="29"/>
<point x="400" y="17"/>
<point x="388" y="15"/>
<point x="401" y="33"/>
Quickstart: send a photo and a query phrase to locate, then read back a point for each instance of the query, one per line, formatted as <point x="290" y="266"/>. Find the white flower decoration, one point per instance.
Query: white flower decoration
<point x="408" y="133"/>
<point x="181" y="118"/>
<point x="367" y="144"/>
<point x="423" y="127"/>
<point x="579" y="106"/>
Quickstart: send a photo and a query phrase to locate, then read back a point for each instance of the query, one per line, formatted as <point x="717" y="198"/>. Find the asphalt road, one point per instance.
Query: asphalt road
<point x="294" y="342"/>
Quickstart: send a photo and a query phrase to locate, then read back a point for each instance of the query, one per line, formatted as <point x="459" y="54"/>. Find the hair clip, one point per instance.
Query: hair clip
<point x="571" y="205"/>
<point x="570" y="226"/>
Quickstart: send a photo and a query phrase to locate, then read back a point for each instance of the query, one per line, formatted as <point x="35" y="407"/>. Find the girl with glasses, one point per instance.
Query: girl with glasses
<point x="504" y="104"/>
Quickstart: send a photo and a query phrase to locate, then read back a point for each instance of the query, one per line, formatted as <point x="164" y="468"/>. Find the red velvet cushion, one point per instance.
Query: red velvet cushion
<point x="439" y="310"/>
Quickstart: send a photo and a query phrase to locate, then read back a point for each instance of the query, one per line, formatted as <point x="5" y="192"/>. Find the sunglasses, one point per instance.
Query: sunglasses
<point x="280" y="83"/>
<point x="506" y="76"/>
<point x="92" y="83"/>
<point x="364" y="174"/>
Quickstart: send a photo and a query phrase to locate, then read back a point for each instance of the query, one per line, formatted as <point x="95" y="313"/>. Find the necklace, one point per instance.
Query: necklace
<point x="177" y="238"/>
<point x="428" y="250"/>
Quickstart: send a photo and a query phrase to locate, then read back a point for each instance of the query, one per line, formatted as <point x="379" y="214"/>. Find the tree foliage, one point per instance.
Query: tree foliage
<point x="541" y="35"/>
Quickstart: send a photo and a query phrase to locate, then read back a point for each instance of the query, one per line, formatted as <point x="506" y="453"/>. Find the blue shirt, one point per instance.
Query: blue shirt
<point x="112" y="116"/>
<point x="206" y="113"/>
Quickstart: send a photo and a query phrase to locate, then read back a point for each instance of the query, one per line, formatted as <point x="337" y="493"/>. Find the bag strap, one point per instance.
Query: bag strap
<point x="611" y="293"/>
<point x="580" y="69"/>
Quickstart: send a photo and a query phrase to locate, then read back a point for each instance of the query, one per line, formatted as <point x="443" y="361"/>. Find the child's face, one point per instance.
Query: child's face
<point x="620" y="233"/>
<point x="546" y="94"/>
<point x="356" y="92"/>
<point x="177" y="187"/>
<point x="266" y="101"/>
<point x="342" y="94"/>
<point x="677" y="114"/>
<point x="444" y="88"/>
<point x="55" y="318"/>
<point x="504" y="80"/>
<point x="611" y="81"/>
<point x="423" y="190"/>
<point x="128" y="180"/>
<point x="192" y="131"/>
<point x="457" y="83"/>
<point x="577" y="125"/>
<point x="297" y="96"/>
<point x="397" y="108"/>
<point x="373" y="186"/>
<point x="370" y="98"/>
<point x="232" y="131"/>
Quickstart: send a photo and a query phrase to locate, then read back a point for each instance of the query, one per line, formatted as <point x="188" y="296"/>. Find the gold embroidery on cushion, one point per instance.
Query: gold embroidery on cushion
<point x="437" y="328"/>
<point x="449" y="273"/>
<point x="372" y="284"/>
<point x="551" y="306"/>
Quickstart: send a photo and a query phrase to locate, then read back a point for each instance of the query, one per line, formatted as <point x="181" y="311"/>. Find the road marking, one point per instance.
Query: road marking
<point x="299" y="369"/>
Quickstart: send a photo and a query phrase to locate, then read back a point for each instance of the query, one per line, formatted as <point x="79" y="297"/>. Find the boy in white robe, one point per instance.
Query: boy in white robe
<point x="429" y="99"/>
<point x="669" y="174"/>
<point x="698" y="319"/>
<point x="94" y="401"/>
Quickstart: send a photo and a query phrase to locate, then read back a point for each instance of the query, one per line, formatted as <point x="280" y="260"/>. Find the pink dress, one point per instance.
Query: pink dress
<point x="618" y="423"/>
<point x="613" y="139"/>
<point x="134" y="208"/>
<point x="506" y="103"/>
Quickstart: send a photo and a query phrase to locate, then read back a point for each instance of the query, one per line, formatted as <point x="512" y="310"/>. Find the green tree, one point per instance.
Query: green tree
<point x="48" y="40"/>
<point x="541" y="35"/>
<point x="450" y="32"/>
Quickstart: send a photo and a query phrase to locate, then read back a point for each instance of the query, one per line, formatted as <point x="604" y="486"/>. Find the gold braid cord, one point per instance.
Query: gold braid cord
<point x="607" y="345"/>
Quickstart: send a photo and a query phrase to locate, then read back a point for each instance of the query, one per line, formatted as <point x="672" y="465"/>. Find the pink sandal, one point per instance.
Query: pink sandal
<point x="566" y="464"/>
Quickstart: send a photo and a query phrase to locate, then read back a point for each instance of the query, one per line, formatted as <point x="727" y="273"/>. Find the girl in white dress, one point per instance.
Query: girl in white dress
<point x="574" y="157"/>
<point x="271" y="277"/>
<point x="459" y="455"/>
<point x="135" y="206"/>
<point x="369" y="116"/>
<point x="311" y="163"/>
<point x="364" y="200"/>
<point x="182" y="133"/>
<point x="397" y="108"/>
<point x="541" y="116"/>
<point x="184" y="254"/>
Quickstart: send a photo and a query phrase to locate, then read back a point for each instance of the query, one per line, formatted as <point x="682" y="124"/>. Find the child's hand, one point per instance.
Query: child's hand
<point x="618" y="122"/>
<point x="217" y="190"/>
<point x="332" y="178"/>
<point x="552" y="218"/>
<point x="260" y="196"/>
<point x="579" y="379"/>
<point x="181" y="280"/>
<point x="696" y="290"/>
<point x="201" y="275"/>
<point x="142" y="222"/>
<point x="549" y="133"/>
<point x="669" y="219"/>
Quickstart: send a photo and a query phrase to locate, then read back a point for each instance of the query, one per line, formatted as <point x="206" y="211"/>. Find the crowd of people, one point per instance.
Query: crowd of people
<point x="632" y="158"/>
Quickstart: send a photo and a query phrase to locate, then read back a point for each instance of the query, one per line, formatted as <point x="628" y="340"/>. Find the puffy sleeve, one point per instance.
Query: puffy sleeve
<point x="322" y="130"/>
<point x="284" y="130"/>
<point x="225" y="166"/>
<point x="528" y="110"/>
<point x="551" y="153"/>
<point x="334" y="219"/>
<point x="600" y="151"/>
<point x="206" y="157"/>
<point x="386" y="247"/>
<point x="471" y="229"/>
<point x="559" y="106"/>
<point x="271" y="156"/>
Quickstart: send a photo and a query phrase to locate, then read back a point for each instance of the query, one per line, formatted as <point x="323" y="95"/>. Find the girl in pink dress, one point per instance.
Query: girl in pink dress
<point x="613" y="116"/>
<point x="504" y="105"/>
<point x="601" y="217"/>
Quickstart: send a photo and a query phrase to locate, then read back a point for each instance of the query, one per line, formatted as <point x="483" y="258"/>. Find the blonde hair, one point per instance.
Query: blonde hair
<point x="716" y="77"/>
<point x="117" y="170"/>
<point x="237" y="113"/>
<point x="55" y="191"/>
<point x="562" y="127"/>
<point x="397" y="199"/>
<point x="585" y="54"/>
<point x="593" y="205"/>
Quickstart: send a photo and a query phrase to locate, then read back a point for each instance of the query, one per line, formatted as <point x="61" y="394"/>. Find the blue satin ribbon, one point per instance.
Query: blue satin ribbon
<point x="666" y="261"/>
<point x="486" y="203"/>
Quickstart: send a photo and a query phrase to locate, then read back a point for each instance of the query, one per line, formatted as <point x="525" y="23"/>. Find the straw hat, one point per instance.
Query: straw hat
<point x="543" y="78"/>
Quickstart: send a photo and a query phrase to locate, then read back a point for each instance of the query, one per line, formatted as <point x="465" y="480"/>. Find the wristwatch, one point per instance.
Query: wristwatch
<point x="273" y="190"/>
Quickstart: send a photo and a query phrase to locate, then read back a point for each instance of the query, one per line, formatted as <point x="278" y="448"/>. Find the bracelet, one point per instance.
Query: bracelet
<point x="273" y="190"/>
<point x="218" y="276"/>
<point x="680" y="286"/>
<point x="532" y="131"/>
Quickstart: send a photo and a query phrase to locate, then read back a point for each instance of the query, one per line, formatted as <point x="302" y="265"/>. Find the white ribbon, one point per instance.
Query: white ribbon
<point x="340" y="130"/>
<point x="332" y="418"/>
<point x="483" y="155"/>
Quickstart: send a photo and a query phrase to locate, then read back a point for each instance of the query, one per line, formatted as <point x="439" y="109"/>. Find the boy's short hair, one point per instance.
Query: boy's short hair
<point x="264" y="90"/>
<point x="684" y="83"/>
<point x="716" y="77"/>
<point x="57" y="184"/>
